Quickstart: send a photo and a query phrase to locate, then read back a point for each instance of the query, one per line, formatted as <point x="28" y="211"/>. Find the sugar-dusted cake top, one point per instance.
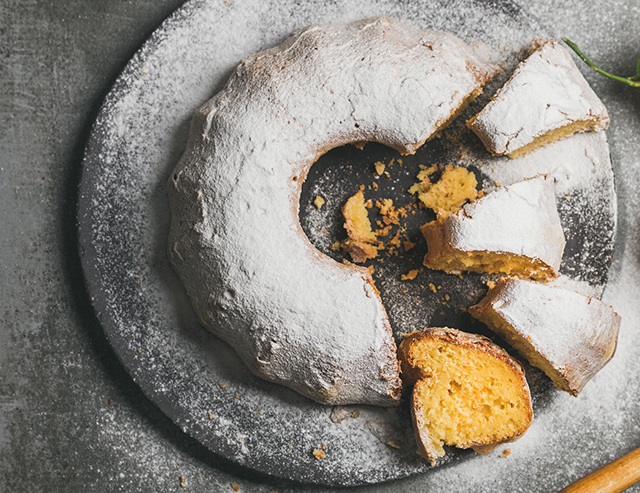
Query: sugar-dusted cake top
<point x="546" y="99"/>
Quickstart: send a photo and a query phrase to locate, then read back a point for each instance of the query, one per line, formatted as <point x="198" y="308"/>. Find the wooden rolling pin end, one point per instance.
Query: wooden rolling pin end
<point x="614" y="477"/>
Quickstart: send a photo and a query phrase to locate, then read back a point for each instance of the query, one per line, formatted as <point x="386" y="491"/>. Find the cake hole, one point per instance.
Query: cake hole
<point x="338" y="175"/>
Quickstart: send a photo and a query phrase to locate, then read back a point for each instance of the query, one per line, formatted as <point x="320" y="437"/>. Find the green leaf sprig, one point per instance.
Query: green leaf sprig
<point x="633" y="81"/>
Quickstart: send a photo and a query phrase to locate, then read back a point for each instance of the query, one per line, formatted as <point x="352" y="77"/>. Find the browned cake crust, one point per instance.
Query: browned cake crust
<point x="415" y="372"/>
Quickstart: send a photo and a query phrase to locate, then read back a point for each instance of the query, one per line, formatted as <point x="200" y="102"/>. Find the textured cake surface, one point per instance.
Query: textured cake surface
<point x="294" y="315"/>
<point x="361" y="243"/>
<point x="468" y="391"/>
<point x="455" y="187"/>
<point x="514" y="230"/>
<point x="546" y="96"/>
<point x="566" y="334"/>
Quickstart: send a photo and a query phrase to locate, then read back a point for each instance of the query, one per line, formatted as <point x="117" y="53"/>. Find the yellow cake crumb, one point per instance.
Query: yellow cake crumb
<point x="379" y="168"/>
<point x="319" y="454"/>
<point x="455" y="187"/>
<point x="395" y="241"/>
<point x="390" y="214"/>
<point x="408" y="245"/>
<point x="411" y="275"/>
<point x="318" y="202"/>
<point x="424" y="182"/>
<point x="385" y="205"/>
<point x="506" y="453"/>
<point x="383" y="230"/>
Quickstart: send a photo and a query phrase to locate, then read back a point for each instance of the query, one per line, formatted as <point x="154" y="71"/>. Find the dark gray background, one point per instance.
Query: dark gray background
<point x="70" y="417"/>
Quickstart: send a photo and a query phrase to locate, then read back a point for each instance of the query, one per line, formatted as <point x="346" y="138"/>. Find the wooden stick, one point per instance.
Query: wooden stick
<point x="614" y="477"/>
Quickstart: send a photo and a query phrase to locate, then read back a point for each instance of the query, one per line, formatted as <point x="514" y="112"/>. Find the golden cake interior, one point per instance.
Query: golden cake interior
<point x="360" y="244"/>
<point x="456" y="187"/>
<point x="493" y="262"/>
<point x="557" y="134"/>
<point x="357" y="221"/>
<point x="466" y="397"/>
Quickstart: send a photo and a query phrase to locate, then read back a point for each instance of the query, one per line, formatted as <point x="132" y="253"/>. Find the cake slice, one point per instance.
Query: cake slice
<point x="468" y="391"/>
<point x="515" y="230"/>
<point x="546" y="99"/>
<point x="566" y="334"/>
<point x="361" y="243"/>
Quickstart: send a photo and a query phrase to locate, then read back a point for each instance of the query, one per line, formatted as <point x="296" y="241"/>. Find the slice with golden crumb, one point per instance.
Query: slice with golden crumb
<point x="356" y="219"/>
<point x="515" y="230"/>
<point x="546" y="99"/>
<point x="468" y="392"/>
<point x="360" y="244"/>
<point x="455" y="187"/>
<point x="566" y="334"/>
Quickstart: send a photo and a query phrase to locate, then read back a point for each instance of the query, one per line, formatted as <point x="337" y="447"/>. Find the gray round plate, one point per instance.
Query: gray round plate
<point x="123" y="215"/>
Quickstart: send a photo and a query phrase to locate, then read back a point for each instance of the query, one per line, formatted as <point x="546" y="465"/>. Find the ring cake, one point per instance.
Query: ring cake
<point x="566" y="334"/>
<point x="515" y="230"/>
<point x="468" y="391"/>
<point x="546" y="99"/>
<point x="294" y="315"/>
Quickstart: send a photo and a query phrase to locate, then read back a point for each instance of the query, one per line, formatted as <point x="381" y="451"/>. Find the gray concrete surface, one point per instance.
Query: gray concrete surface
<point x="70" y="417"/>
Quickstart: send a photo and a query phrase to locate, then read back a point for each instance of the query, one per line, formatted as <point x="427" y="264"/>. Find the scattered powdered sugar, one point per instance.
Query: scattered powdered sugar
<point x="195" y="378"/>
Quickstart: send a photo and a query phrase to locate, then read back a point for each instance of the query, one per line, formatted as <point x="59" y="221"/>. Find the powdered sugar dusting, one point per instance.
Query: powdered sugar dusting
<point x="546" y="92"/>
<point x="138" y="139"/>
